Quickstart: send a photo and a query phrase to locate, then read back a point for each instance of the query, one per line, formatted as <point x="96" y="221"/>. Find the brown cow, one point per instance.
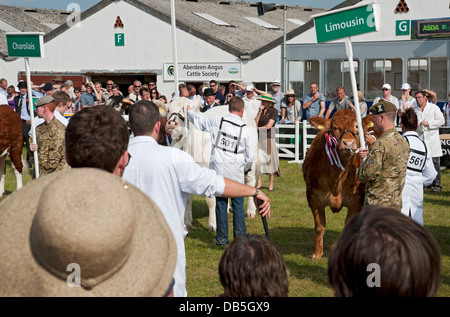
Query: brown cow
<point x="11" y="142"/>
<point x="330" y="171"/>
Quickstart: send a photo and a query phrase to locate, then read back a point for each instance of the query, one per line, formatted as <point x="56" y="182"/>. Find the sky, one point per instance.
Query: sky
<point x="86" y="4"/>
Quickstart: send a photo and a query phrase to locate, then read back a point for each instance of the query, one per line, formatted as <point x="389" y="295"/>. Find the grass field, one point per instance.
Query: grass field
<point x="291" y="229"/>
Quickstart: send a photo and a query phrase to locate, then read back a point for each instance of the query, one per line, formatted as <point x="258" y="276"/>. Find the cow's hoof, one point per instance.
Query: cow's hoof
<point x="188" y="227"/>
<point x="316" y="257"/>
<point x="251" y="216"/>
<point x="211" y="229"/>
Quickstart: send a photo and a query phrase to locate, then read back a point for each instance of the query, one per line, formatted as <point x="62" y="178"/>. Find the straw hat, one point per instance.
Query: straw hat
<point x="267" y="97"/>
<point x="361" y="96"/>
<point x="290" y="92"/>
<point x="109" y="228"/>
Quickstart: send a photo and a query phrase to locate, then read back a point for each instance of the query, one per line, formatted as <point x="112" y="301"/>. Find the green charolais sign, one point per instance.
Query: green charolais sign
<point x="341" y="24"/>
<point x="25" y="44"/>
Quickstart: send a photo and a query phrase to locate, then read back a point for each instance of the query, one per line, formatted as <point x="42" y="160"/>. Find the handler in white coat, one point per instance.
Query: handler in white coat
<point x="168" y="174"/>
<point x="232" y="155"/>
<point x="430" y="119"/>
<point x="420" y="170"/>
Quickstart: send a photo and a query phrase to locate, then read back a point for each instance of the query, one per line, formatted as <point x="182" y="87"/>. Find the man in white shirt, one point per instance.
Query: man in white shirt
<point x="232" y="155"/>
<point x="387" y="95"/>
<point x="251" y="102"/>
<point x="420" y="170"/>
<point x="168" y="175"/>
<point x="430" y="118"/>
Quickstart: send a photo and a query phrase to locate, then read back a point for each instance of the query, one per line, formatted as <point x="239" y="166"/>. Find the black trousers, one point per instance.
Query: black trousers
<point x="26" y="138"/>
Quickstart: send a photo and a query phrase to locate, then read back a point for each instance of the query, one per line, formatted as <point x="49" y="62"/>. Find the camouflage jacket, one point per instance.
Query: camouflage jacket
<point x="51" y="146"/>
<point x="384" y="170"/>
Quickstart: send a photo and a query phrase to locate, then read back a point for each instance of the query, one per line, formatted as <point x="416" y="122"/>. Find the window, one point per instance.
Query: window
<point x="260" y="22"/>
<point x="429" y="73"/>
<point x="212" y="19"/>
<point x="300" y="74"/>
<point x="379" y="72"/>
<point x="296" y="77"/>
<point x="337" y="73"/>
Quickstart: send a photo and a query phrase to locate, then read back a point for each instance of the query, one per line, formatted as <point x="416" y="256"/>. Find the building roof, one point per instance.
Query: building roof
<point x="24" y="19"/>
<point x="239" y="35"/>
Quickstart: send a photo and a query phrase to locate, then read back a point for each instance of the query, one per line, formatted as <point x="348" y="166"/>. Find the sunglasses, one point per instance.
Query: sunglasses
<point x="384" y="89"/>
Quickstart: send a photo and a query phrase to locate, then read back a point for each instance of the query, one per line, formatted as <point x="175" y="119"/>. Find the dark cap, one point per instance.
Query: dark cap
<point x="22" y="84"/>
<point x="382" y="106"/>
<point x="47" y="87"/>
<point x="44" y="101"/>
<point x="209" y="92"/>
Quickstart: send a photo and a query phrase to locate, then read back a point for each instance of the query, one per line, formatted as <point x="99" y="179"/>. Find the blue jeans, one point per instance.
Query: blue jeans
<point x="237" y="204"/>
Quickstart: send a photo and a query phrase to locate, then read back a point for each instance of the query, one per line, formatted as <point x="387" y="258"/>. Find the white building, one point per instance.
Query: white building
<point x="412" y="45"/>
<point x="125" y="40"/>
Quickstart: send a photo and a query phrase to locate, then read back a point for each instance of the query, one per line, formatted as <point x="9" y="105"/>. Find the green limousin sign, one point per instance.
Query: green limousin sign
<point x="340" y="24"/>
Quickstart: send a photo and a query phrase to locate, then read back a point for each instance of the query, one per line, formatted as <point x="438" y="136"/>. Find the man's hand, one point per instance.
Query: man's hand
<point x="369" y="139"/>
<point x="363" y="153"/>
<point x="264" y="208"/>
<point x="33" y="147"/>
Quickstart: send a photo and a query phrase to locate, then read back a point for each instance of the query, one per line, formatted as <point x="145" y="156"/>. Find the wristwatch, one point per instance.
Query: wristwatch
<point x="257" y="192"/>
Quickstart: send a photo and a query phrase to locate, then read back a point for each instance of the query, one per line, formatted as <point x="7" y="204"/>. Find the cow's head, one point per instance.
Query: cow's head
<point x="177" y="116"/>
<point x="343" y="127"/>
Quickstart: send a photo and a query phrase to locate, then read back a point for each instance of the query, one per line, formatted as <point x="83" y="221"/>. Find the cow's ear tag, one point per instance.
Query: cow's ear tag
<point x="321" y="126"/>
<point x="370" y="125"/>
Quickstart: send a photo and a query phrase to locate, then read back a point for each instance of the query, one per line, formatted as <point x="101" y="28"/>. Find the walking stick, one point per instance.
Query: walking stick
<point x="264" y="219"/>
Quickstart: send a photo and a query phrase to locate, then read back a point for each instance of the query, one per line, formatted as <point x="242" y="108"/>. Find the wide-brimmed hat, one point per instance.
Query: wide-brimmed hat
<point x="361" y="95"/>
<point x="267" y="97"/>
<point x="291" y="92"/>
<point x="107" y="233"/>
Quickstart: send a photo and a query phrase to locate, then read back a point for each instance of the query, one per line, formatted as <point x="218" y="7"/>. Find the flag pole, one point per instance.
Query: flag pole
<point x="349" y="50"/>
<point x="31" y="112"/>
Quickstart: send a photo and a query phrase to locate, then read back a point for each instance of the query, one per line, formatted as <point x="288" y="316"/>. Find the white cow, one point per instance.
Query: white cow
<point x="198" y="144"/>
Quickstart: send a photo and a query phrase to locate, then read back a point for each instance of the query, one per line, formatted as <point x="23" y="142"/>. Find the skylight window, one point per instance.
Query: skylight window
<point x="212" y="19"/>
<point x="296" y="21"/>
<point x="262" y="23"/>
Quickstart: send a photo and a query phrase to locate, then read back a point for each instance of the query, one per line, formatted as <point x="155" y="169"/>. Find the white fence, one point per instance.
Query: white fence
<point x="294" y="151"/>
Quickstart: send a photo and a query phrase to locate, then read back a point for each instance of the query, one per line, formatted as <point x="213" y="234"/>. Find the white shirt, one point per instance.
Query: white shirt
<point x="232" y="151"/>
<point x="167" y="175"/>
<point x="412" y="194"/>
<point x="391" y="99"/>
<point x="430" y="133"/>
<point x="251" y="106"/>
<point x="410" y="103"/>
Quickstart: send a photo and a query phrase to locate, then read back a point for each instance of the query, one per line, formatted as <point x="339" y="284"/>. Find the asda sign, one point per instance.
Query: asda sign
<point x="25" y="44"/>
<point x="346" y="22"/>
<point x="437" y="27"/>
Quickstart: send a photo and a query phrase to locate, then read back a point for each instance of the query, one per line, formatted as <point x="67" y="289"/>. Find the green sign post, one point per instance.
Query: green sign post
<point x="26" y="45"/>
<point x="344" y="23"/>
<point x="340" y="24"/>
